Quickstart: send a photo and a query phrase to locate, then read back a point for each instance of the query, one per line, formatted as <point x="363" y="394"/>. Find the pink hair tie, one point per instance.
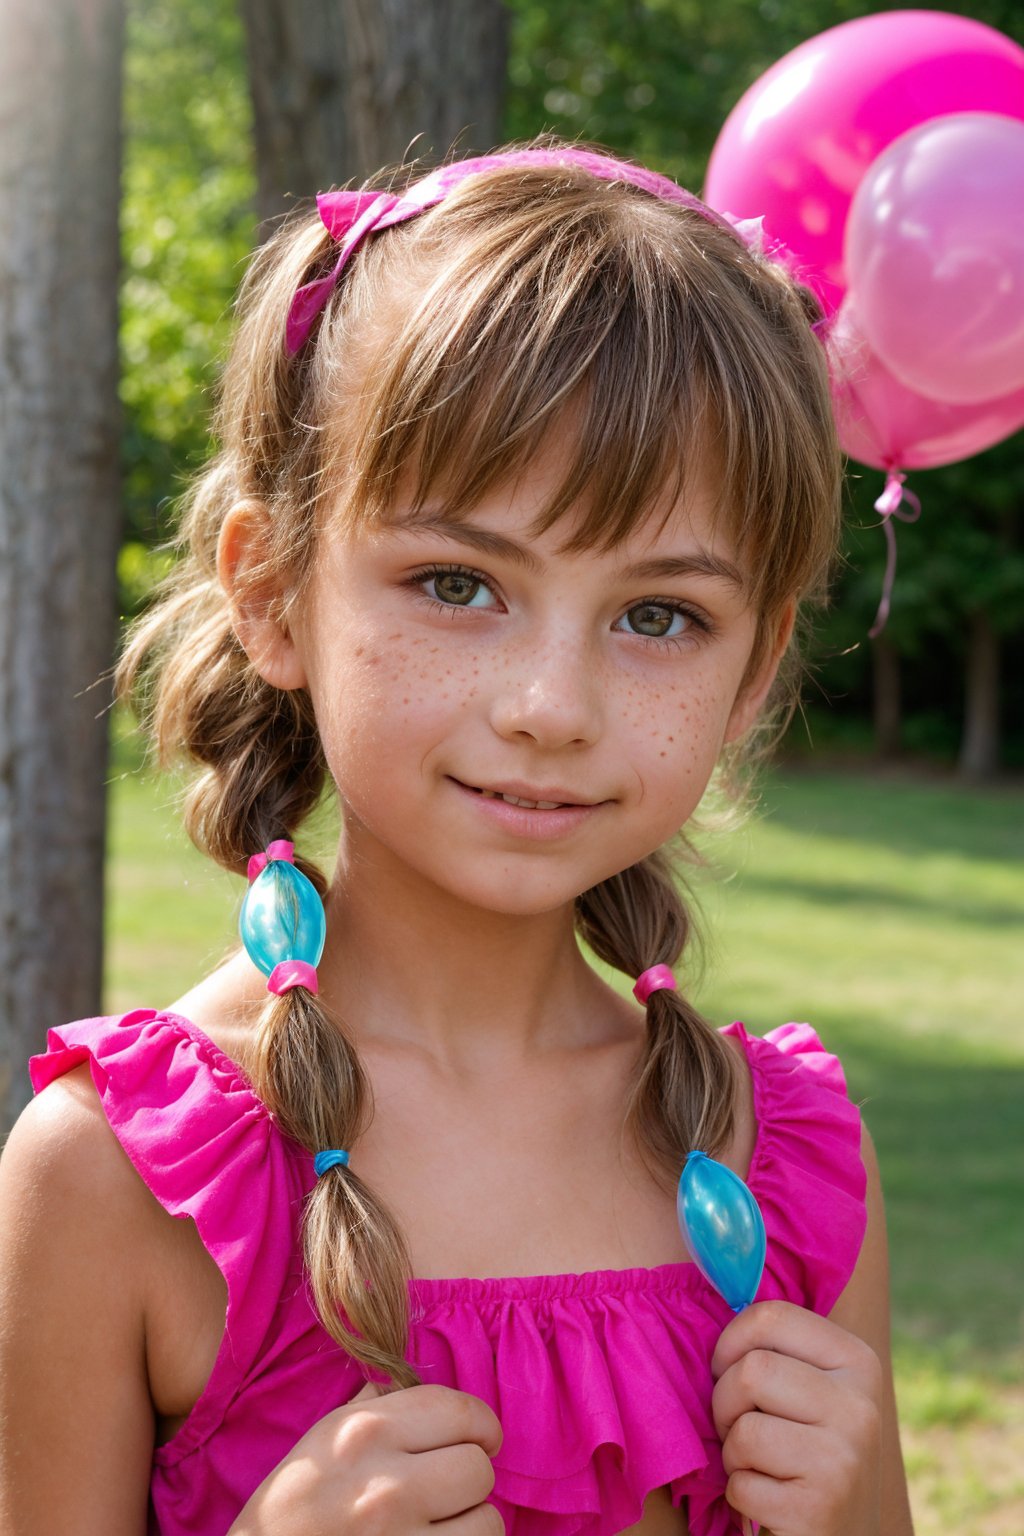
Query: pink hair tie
<point x="280" y="849"/>
<point x="657" y="979"/>
<point x="292" y="973"/>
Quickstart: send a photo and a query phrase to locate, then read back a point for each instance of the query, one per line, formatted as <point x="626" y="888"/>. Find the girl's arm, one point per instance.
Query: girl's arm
<point x="79" y="1244"/>
<point x="76" y="1422"/>
<point x="806" y="1408"/>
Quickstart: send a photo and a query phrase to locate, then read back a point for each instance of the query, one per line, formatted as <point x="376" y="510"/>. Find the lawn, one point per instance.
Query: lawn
<point x="888" y="911"/>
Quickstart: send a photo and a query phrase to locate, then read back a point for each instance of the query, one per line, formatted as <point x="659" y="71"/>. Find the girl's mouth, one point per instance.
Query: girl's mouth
<point x="528" y="805"/>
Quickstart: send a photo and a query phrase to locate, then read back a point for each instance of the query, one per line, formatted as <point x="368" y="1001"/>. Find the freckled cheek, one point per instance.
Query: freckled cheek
<point x="390" y="691"/>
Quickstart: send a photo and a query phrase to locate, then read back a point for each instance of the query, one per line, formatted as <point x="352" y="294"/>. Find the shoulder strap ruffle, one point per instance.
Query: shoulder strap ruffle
<point x="206" y="1148"/>
<point x="807" y="1171"/>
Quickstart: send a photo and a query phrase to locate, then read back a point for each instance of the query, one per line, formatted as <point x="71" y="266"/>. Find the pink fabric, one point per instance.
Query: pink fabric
<point x="601" y="1381"/>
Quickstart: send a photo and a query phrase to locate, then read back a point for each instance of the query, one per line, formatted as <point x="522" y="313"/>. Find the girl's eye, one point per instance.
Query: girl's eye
<point x="454" y="586"/>
<point x="660" y="621"/>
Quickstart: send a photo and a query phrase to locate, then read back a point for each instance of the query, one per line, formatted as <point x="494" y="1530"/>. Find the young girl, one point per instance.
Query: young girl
<point x="524" y="474"/>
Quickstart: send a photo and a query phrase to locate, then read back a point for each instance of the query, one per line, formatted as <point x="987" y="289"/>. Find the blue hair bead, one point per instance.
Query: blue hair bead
<point x="723" y="1228"/>
<point x="329" y="1159"/>
<point x="282" y="918"/>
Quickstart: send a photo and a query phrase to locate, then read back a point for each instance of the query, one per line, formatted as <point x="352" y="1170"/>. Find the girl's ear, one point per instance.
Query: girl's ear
<point x="256" y="595"/>
<point x="756" y="688"/>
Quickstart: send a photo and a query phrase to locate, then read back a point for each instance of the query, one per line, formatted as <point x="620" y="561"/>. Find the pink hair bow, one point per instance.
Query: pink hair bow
<point x="350" y="216"/>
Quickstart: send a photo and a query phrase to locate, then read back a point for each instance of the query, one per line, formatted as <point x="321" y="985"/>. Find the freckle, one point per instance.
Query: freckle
<point x="671" y="738"/>
<point x="359" y="650"/>
<point x="662" y="754"/>
<point x="405" y="701"/>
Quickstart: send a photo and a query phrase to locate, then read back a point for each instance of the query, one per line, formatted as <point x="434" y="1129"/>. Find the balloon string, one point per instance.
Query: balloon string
<point x="891" y="504"/>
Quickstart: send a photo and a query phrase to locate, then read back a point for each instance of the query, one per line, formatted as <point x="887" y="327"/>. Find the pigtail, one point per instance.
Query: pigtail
<point x="263" y="772"/>
<point x="681" y="1097"/>
<point x="306" y="1071"/>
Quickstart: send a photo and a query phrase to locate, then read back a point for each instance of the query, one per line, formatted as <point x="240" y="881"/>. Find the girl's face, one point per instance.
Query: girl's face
<point x="509" y="723"/>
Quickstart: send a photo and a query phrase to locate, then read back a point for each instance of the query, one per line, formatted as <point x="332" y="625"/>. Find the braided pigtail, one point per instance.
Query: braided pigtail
<point x="682" y="1095"/>
<point x="262" y="773"/>
<point x="306" y="1071"/>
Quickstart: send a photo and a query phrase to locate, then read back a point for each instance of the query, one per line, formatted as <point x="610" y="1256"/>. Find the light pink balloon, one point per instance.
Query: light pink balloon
<point x="797" y="145"/>
<point x="883" y="423"/>
<point x="935" y="257"/>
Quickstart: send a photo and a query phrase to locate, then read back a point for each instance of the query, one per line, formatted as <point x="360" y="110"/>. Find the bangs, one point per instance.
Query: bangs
<point x="544" y="307"/>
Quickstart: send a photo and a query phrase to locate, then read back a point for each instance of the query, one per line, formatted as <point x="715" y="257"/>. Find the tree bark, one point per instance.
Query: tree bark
<point x="887" y="705"/>
<point x="979" y="746"/>
<point x="60" y="74"/>
<point x="341" y="88"/>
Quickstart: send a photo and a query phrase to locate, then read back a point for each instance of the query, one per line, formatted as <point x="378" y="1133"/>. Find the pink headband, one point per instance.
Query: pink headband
<point x="350" y="216"/>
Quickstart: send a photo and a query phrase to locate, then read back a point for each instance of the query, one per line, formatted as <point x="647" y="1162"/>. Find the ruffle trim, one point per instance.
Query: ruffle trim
<point x="603" y="1392"/>
<point x="601" y="1381"/>
<point x="203" y="1144"/>
<point x="806" y="1171"/>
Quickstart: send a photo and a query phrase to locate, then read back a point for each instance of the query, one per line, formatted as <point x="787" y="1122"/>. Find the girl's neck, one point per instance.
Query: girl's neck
<point x="475" y="990"/>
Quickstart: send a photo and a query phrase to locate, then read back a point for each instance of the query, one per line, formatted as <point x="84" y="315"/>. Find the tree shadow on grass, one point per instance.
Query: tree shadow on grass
<point x="876" y="898"/>
<point x="949" y="1128"/>
<point x="911" y="816"/>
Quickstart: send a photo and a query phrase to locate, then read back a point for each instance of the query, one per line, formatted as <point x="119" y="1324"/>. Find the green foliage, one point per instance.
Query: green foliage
<point x="187" y="223"/>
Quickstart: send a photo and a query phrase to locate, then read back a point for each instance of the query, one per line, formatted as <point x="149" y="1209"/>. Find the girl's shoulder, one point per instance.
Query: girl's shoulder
<point x="182" y="1110"/>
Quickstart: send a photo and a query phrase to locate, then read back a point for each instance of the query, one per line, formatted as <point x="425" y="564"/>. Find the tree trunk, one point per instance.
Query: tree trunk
<point x="341" y="88"/>
<point x="979" y="747"/>
<point x="60" y="86"/>
<point x="886" y="697"/>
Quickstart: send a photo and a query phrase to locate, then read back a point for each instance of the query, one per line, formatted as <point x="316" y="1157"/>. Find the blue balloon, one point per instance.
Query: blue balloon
<point x="723" y="1228"/>
<point x="282" y="918"/>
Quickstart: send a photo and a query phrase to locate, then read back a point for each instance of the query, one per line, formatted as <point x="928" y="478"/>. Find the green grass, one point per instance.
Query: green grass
<point x="889" y="912"/>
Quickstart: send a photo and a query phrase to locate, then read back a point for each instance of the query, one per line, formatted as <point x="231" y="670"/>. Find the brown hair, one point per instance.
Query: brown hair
<point x="538" y="292"/>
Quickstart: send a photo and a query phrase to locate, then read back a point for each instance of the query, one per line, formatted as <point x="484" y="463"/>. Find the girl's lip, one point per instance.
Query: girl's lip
<point x="520" y="821"/>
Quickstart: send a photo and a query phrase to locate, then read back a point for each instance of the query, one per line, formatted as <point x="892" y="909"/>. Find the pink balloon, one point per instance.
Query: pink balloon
<point x="797" y="145"/>
<point x="935" y="257"/>
<point x="883" y="423"/>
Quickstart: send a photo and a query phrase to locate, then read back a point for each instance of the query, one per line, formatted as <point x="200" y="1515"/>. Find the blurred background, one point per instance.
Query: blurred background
<point x="878" y="892"/>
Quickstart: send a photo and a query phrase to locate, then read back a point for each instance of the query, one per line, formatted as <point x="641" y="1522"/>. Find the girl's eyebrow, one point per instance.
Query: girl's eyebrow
<point x="699" y="562"/>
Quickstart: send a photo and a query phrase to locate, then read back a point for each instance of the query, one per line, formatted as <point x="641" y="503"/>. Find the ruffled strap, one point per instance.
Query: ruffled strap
<point x="206" y="1148"/>
<point x="807" y="1171"/>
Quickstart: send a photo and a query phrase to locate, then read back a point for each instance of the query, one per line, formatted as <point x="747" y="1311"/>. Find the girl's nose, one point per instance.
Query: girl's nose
<point x="553" y="698"/>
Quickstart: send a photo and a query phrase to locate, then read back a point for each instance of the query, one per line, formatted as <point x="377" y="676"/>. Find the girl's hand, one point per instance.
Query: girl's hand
<point x="387" y="1464"/>
<point x="798" y="1406"/>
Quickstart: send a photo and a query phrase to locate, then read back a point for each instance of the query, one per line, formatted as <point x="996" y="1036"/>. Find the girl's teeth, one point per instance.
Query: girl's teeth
<point x="528" y="805"/>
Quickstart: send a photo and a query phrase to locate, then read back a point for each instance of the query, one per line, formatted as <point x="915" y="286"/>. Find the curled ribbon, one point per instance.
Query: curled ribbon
<point x="895" y="501"/>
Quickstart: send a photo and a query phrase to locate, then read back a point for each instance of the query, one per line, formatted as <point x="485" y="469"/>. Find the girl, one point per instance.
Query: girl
<point x="524" y="474"/>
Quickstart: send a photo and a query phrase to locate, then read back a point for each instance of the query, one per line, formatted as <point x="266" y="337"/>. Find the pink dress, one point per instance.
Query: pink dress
<point x="601" y="1381"/>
